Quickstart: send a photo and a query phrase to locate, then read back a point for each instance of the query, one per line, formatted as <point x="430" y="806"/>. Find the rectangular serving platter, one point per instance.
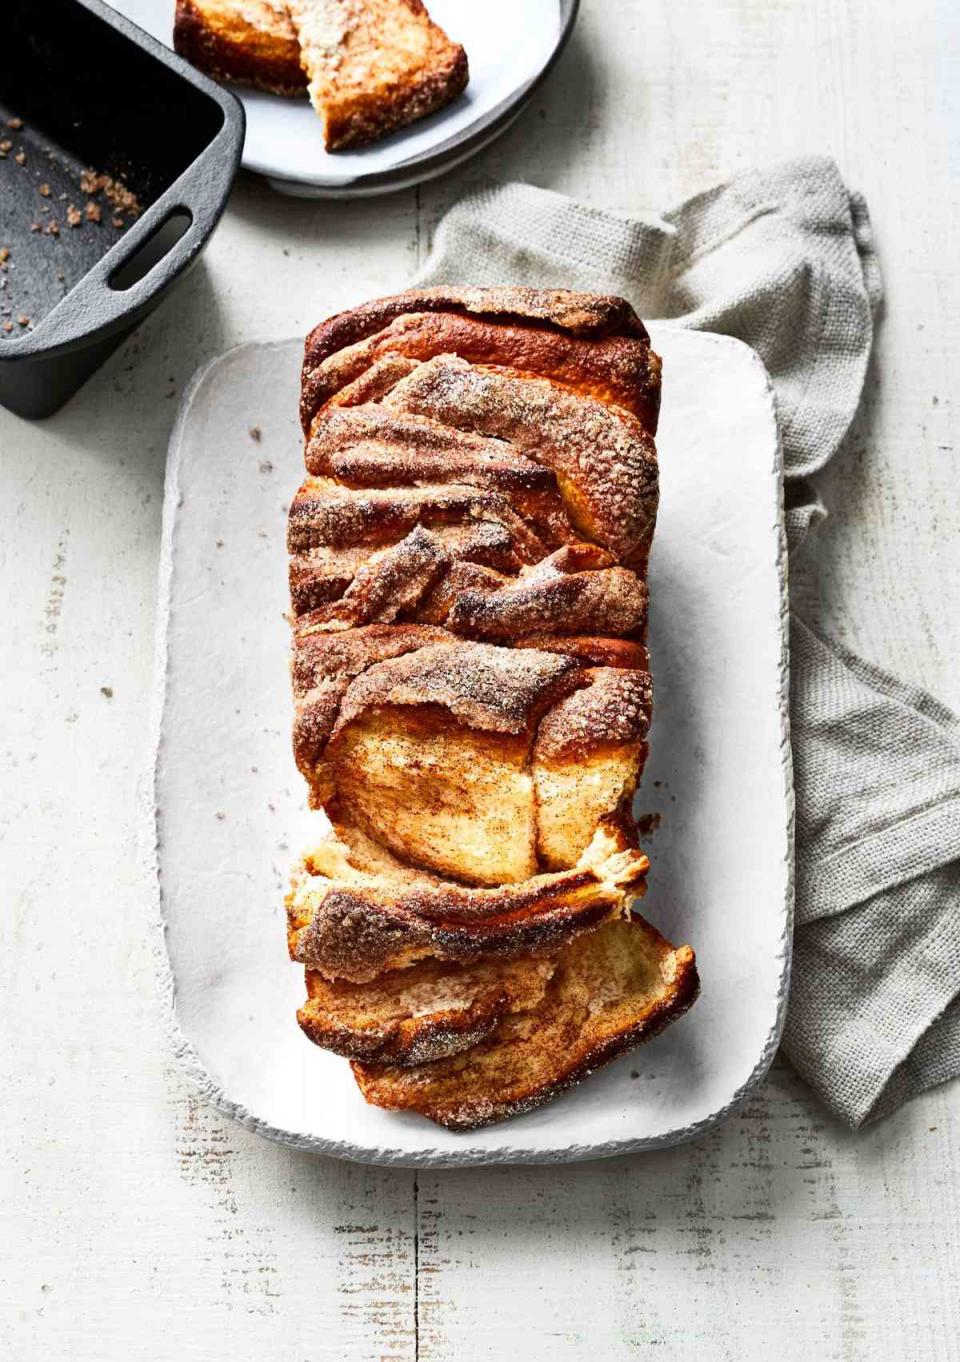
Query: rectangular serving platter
<point x="227" y="811"/>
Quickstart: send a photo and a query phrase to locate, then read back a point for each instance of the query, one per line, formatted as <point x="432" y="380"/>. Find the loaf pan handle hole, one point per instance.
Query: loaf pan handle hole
<point x="159" y="243"/>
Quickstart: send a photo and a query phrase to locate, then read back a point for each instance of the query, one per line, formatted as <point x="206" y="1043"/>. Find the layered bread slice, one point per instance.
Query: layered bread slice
<point x="374" y="65"/>
<point x="355" y="911"/>
<point x="411" y="1016"/>
<point x="609" y="991"/>
<point x="252" y="42"/>
<point x="369" y="66"/>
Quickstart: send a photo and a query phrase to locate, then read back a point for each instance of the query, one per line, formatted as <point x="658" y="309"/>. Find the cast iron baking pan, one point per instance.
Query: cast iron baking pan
<point x="116" y="159"/>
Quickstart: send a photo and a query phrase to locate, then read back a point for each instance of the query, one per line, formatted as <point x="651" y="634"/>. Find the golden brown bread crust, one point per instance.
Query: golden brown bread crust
<point x="251" y="42"/>
<point x="497" y="690"/>
<point x="615" y="369"/>
<point x="374" y="65"/>
<point x="611" y="990"/>
<point x="591" y="650"/>
<point x="481" y="477"/>
<point x="425" y="1012"/>
<point x="370" y="66"/>
<point x="552" y="313"/>
<point x="471" y="688"/>
<point x="614" y="707"/>
<point x="355" y="911"/>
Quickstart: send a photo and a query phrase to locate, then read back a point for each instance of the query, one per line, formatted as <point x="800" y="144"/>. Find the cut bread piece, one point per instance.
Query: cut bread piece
<point x="374" y="65"/>
<point x="426" y="1012"/>
<point x="611" y="990"/>
<point x="471" y="679"/>
<point x="249" y="41"/>
<point x="355" y="911"/>
<point x="603" y="457"/>
<point x="587" y="758"/>
<point x="323" y="513"/>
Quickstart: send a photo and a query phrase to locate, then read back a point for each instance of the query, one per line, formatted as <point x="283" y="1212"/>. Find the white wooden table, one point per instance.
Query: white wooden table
<point x="135" y="1223"/>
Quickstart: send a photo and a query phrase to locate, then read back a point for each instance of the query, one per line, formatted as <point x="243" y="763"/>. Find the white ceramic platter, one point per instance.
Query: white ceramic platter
<point x="510" y="44"/>
<point x="230" y="812"/>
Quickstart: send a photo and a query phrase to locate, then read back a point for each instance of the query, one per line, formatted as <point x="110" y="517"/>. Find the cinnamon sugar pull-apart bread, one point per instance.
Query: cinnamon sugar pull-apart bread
<point x="369" y="66"/>
<point x="468" y="557"/>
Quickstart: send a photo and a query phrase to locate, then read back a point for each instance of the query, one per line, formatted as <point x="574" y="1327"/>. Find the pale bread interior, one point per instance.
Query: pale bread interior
<point x="452" y="799"/>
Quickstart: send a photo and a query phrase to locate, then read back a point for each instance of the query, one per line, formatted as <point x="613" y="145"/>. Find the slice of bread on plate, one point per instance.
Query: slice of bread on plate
<point x="252" y="42"/>
<point x="374" y="65"/>
<point x="610" y="990"/>
<point x="431" y="1010"/>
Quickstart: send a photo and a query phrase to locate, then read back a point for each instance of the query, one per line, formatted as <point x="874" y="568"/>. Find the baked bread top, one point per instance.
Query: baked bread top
<point x="468" y="560"/>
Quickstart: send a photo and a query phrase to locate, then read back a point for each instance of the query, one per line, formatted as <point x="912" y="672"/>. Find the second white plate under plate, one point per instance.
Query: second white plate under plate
<point x="230" y="805"/>
<point x="510" y="44"/>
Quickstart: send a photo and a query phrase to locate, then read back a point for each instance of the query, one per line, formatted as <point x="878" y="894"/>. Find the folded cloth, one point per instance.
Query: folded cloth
<point x="784" y="260"/>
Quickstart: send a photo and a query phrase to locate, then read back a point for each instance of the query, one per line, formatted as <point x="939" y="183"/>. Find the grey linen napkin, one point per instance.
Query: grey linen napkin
<point x="783" y="259"/>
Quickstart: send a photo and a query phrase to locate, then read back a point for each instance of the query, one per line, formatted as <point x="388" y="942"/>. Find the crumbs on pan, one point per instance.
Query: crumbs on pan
<point x="107" y="197"/>
<point x="114" y="191"/>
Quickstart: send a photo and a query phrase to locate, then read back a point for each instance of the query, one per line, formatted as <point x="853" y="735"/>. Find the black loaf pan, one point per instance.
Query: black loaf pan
<point x="82" y="89"/>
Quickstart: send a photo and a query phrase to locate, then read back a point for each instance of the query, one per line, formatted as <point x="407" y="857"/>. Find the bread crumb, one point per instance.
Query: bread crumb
<point x="6" y="145"/>
<point x="4" y="254"/>
<point x="8" y="327"/>
<point x="93" y="211"/>
<point x="115" y="191"/>
<point x="44" y="190"/>
<point x="23" y="319"/>
<point x="74" y="216"/>
<point x="117" y="222"/>
<point x="15" y="123"/>
<point x="121" y="197"/>
<point x="21" y="158"/>
<point x="52" y="228"/>
<point x="35" y="227"/>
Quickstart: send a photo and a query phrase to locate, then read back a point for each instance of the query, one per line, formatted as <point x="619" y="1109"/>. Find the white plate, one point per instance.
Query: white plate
<point x="230" y="804"/>
<point x="510" y="45"/>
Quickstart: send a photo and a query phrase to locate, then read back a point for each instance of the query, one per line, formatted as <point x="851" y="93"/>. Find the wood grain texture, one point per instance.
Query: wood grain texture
<point x="135" y="1223"/>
